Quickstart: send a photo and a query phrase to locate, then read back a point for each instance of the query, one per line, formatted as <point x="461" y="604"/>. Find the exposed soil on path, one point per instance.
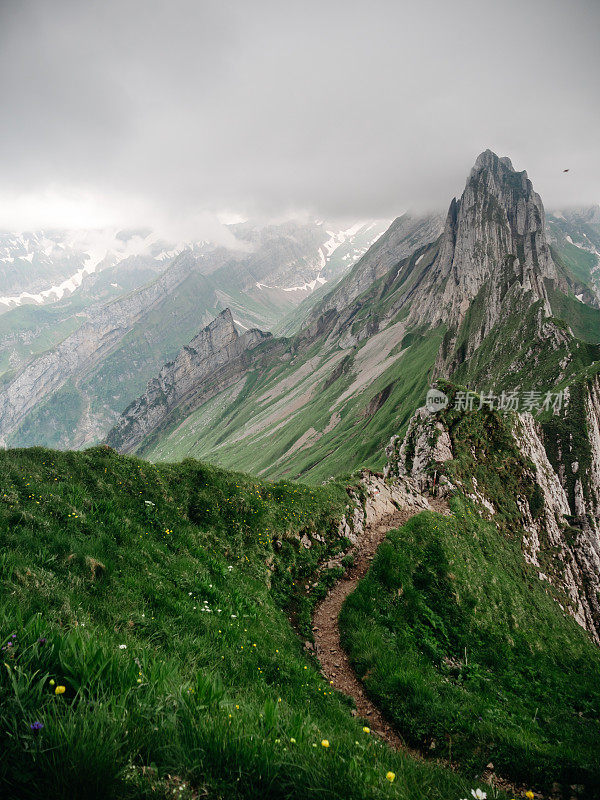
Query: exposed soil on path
<point x="335" y="664"/>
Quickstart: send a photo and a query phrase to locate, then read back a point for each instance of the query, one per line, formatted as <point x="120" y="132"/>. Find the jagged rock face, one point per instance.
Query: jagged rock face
<point x="494" y="237"/>
<point x="382" y="498"/>
<point x="425" y="445"/>
<point x="214" y="355"/>
<point x="573" y="444"/>
<point x="405" y="235"/>
<point x="576" y="578"/>
<point x="575" y="561"/>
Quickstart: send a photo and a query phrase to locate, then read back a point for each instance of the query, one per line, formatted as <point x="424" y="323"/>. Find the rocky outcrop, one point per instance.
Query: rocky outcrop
<point x="425" y="446"/>
<point x="380" y="498"/>
<point x="211" y="363"/>
<point x="564" y="555"/>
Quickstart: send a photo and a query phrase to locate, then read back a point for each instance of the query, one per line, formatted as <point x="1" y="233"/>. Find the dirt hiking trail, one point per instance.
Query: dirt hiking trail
<point x="335" y="664"/>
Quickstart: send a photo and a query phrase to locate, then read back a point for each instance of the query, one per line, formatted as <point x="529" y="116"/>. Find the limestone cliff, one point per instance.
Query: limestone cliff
<point x="559" y="535"/>
<point x="495" y="238"/>
<point x="213" y="361"/>
<point x="572" y="441"/>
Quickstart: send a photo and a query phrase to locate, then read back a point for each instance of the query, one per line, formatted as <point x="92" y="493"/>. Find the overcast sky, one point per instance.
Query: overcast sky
<point x="174" y="111"/>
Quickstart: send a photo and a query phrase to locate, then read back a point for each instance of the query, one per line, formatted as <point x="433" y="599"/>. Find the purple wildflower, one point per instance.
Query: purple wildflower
<point x="42" y="640"/>
<point x="36" y="726"/>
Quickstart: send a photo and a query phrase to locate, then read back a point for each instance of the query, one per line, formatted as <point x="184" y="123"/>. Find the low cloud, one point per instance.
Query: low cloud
<point x="175" y="114"/>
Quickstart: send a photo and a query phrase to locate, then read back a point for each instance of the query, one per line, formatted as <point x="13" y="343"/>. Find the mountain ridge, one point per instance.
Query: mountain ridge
<point x="217" y="352"/>
<point x="353" y="367"/>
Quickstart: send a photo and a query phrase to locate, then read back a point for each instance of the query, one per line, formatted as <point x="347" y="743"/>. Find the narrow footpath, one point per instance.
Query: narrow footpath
<point x="335" y="665"/>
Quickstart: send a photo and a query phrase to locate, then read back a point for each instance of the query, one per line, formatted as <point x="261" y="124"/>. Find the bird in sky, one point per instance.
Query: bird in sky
<point x="565" y="170"/>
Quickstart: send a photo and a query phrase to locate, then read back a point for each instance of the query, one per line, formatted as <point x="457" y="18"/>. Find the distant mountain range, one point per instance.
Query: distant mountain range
<point x="73" y="356"/>
<point x="430" y="298"/>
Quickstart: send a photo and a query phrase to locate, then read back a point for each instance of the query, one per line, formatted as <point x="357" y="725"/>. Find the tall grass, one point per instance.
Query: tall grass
<point x="461" y="645"/>
<point x="160" y="598"/>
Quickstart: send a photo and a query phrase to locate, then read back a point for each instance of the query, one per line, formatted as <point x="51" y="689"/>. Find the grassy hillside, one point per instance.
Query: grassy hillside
<point x="326" y="435"/>
<point x="463" y="646"/>
<point x="159" y="598"/>
<point x="322" y="406"/>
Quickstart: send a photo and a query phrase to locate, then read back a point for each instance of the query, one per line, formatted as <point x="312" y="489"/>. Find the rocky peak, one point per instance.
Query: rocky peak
<point x="220" y="332"/>
<point x="494" y="239"/>
<point x="214" y="360"/>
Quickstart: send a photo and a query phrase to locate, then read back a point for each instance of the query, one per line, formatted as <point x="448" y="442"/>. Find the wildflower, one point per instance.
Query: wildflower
<point x="391" y="777"/>
<point x="59" y="690"/>
<point x="366" y="730"/>
<point x="478" y="794"/>
<point x="122" y="647"/>
<point x="42" y="640"/>
<point x="529" y="795"/>
<point x="292" y="740"/>
<point x="324" y="743"/>
<point x="51" y="681"/>
<point x="36" y="726"/>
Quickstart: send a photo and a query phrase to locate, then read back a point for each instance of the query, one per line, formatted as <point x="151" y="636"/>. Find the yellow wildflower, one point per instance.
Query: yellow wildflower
<point x="529" y="795"/>
<point x="324" y="743"/>
<point x="391" y="776"/>
<point x="366" y="730"/>
<point x="59" y="690"/>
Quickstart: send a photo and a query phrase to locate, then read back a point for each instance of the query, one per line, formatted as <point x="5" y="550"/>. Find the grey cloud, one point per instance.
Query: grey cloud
<point x="353" y="109"/>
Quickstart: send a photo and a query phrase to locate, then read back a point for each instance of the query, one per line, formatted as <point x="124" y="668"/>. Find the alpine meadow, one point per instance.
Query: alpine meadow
<point x="299" y="453"/>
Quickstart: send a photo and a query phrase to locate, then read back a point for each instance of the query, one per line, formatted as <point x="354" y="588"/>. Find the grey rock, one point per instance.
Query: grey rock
<point x="212" y="362"/>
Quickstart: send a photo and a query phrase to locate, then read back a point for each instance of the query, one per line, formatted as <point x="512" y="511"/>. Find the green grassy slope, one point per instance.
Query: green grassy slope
<point x="159" y="597"/>
<point x="576" y="258"/>
<point x="583" y="320"/>
<point x="328" y="424"/>
<point x="217" y="431"/>
<point x="463" y="646"/>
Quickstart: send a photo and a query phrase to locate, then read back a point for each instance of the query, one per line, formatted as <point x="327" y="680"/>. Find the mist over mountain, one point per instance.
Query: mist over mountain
<point x="299" y="400"/>
<point x="260" y="109"/>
